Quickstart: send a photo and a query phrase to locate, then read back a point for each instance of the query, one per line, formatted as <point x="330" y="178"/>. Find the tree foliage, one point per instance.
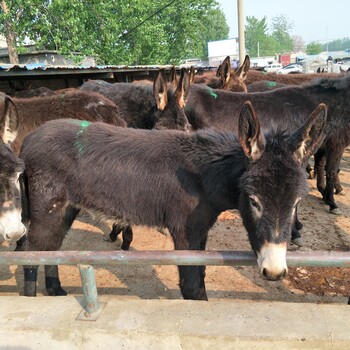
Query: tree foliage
<point x="257" y="39"/>
<point x="118" y="32"/>
<point x="270" y="42"/>
<point x="281" y="28"/>
<point x="313" y="48"/>
<point x="337" y="45"/>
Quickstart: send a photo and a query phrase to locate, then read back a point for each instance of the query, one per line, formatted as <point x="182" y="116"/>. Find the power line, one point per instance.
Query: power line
<point x="147" y="19"/>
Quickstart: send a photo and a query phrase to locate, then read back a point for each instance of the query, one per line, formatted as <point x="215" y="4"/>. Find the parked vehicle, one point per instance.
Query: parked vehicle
<point x="272" y="68"/>
<point x="195" y="62"/>
<point x="291" y="68"/>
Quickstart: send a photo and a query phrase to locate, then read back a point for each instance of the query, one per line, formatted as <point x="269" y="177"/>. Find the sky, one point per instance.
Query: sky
<point x="320" y="21"/>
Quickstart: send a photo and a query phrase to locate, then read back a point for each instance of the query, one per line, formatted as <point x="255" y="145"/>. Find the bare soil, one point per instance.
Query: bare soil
<point x="321" y="231"/>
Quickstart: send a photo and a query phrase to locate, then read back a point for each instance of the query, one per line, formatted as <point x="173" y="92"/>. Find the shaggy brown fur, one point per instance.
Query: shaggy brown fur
<point x="181" y="181"/>
<point x="83" y="105"/>
<point x="289" y="79"/>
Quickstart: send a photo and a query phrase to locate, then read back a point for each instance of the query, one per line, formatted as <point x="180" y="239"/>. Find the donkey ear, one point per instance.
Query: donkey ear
<point x="218" y="71"/>
<point x="192" y="74"/>
<point x="160" y="90"/>
<point x="242" y="71"/>
<point x="173" y="76"/>
<point x="182" y="89"/>
<point x="306" y="140"/>
<point x="9" y="121"/>
<point x="249" y="133"/>
<point x="225" y="70"/>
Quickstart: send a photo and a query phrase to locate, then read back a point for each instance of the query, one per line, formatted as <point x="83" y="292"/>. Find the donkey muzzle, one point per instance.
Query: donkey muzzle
<point x="272" y="261"/>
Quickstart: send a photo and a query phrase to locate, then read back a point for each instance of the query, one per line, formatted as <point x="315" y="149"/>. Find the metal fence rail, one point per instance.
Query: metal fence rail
<point x="85" y="260"/>
<point x="168" y="257"/>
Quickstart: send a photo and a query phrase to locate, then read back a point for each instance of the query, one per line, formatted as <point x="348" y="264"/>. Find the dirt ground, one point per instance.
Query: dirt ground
<point x="322" y="231"/>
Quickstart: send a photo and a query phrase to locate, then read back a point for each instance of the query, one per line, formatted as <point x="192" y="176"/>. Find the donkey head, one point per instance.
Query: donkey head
<point x="231" y="80"/>
<point x="273" y="184"/>
<point x="11" y="227"/>
<point x="170" y="112"/>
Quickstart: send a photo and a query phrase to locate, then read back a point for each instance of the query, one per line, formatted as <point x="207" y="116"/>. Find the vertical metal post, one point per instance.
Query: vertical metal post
<point x="88" y="282"/>
<point x="241" y="36"/>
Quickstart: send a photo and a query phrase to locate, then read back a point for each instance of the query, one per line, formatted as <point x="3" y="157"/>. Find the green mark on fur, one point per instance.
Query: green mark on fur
<point x="83" y="124"/>
<point x="212" y="93"/>
<point x="271" y="83"/>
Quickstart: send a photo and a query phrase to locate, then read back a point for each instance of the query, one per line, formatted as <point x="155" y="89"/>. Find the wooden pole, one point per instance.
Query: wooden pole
<point x="241" y="37"/>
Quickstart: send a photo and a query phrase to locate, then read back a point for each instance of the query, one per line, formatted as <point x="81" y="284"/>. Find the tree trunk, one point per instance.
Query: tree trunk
<point x="10" y="37"/>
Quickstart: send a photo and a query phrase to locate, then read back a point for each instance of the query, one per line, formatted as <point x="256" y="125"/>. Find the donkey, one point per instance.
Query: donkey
<point x="264" y="85"/>
<point x="181" y="181"/>
<point x="84" y="105"/>
<point x="40" y="91"/>
<point x="11" y="167"/>
<point x="287" y="107"/>
<point x="225" y="78"/>
<point x="146" y="105"/>
<point x="289" y="79"/>
<point x="145" y="108"/>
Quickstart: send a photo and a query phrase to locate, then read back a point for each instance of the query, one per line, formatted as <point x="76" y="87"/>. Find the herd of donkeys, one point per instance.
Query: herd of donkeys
<point x="172" y="153"/>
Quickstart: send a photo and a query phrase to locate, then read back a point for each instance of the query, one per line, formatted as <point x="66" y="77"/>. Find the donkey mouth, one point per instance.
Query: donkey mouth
<point x="271" y="276"/>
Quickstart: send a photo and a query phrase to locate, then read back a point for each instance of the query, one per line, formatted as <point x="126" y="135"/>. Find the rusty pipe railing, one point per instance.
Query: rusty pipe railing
<point x="86" y="259"/>
<point x="168" y="257"/>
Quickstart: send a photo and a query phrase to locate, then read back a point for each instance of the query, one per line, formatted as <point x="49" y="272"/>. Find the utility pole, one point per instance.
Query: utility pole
<point x="241" y="38"/>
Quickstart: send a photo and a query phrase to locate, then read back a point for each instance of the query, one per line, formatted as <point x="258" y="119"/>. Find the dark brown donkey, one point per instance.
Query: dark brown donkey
<point x="11" y="168"/>
<point x="286" y="108"/>
<point x="148" y="105"/>
<point x="225" y="78"/>
<point x="83" y="105"/>
<point x="172" y="179"/>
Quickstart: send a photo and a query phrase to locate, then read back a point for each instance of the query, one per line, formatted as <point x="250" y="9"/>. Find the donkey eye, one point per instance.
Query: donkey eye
<point x="255" y="204"/>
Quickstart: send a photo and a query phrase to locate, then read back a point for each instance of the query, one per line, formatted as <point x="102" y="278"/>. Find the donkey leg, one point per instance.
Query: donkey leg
<point x="332" y="166"/>
<point x="52" y="280"/>
<point x="127" y="237"/>
<point x="192" y="283"/>
<point x="296" y="236"/>
<point x="298" y="224"/>
<point x="338" y="187"/>
<point x="320" y="164"/>
<point x="30" y="271"/>
<point x="46" y="234"/>
<point x="116" y="229"/>
<point x="30" y="277"/>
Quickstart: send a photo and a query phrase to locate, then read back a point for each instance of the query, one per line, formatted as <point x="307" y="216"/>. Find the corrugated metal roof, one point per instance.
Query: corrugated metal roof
<point x="43" y="69"/>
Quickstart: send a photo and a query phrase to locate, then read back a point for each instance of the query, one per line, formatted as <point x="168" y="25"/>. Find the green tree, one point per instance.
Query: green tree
<point x="258" y="41"/>
<point x="337" y="45"/>
<point x="116" y="32"/>
<point x="314" y="48"/>
<point x="281" y="28"/>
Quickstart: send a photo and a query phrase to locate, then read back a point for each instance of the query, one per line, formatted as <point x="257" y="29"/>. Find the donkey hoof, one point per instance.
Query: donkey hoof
<point x="107" y="239"/>
<point x="298" y="241"/>
<point x="342" y="193"/>
<point x="53" y="292"/>
<point x="335" y="211"/>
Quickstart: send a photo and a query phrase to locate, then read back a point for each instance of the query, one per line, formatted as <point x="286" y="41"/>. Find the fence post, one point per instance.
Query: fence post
<point x="92" y="305"/>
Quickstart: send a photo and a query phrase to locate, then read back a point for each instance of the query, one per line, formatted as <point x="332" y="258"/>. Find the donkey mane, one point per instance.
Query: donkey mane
<point x="341" y="83"/>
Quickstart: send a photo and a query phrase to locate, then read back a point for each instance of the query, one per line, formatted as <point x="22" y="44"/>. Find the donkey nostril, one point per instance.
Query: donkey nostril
<point x="7" y="237"/>
<point x="264" y="272"/>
